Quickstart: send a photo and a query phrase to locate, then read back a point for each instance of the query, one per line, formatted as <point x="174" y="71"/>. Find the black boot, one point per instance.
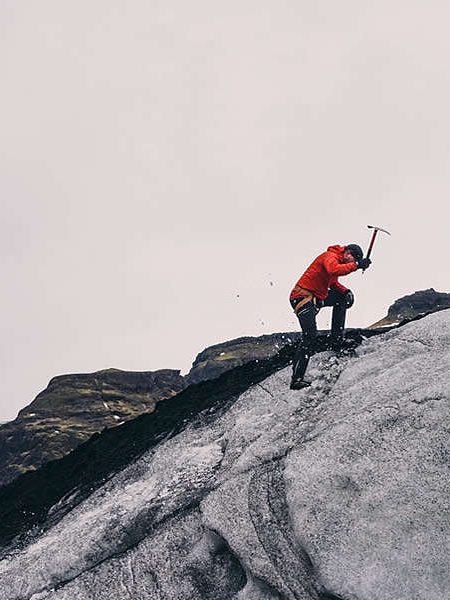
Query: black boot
<point x="300" y="363"/>
<point x="299" y="384"/>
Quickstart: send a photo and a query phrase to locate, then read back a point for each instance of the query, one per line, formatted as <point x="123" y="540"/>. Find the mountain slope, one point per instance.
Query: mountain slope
<point x="338" y="491"/>
<point x="74" y="407"/>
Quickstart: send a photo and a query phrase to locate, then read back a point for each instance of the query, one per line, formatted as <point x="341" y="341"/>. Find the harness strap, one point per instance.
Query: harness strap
<point x="307" y="296"/>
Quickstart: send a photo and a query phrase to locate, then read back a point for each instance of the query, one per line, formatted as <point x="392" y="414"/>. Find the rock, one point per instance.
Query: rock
<point x="420" y="303"/>
<point x="74" y="407"/>
<point x="217" y="359"/>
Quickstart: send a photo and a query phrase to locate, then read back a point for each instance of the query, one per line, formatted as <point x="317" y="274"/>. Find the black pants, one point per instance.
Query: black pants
<point x="307" y="319"/>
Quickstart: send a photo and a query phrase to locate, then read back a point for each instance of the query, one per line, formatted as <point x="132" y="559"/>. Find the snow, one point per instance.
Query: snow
<point x="350" y="475"/>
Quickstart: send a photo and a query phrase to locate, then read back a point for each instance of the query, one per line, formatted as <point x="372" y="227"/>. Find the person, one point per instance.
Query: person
<point x="318" y="287"/>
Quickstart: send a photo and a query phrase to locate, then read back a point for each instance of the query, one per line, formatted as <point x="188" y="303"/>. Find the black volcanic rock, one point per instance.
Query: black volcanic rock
<point x="409" y="307"/>
<point x="74" y="407"/>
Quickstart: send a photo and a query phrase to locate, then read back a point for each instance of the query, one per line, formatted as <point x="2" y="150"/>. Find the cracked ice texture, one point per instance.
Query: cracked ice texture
<point x="342" y="488"/>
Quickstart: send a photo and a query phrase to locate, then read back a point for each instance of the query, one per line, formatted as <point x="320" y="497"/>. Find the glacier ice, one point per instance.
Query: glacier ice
<point x="337" y="491"/>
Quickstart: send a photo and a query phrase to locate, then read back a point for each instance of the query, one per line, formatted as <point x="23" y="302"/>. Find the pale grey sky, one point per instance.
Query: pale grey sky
<point x="158" y="159"/>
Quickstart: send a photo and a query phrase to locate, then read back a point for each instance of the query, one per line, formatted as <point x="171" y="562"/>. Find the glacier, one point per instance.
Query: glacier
<point x="339" y="491"/>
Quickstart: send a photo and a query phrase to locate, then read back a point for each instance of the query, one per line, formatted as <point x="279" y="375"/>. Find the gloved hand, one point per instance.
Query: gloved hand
<point x="349" y="299"/>
<point x="364" y="263"/>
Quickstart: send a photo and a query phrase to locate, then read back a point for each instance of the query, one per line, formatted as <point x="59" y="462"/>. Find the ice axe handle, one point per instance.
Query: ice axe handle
<point x="372" y="242"/>
<point x="374" y="235"/>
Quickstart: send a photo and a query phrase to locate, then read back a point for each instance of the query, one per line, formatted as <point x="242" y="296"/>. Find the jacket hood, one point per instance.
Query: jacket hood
<point x="336" y="249"/>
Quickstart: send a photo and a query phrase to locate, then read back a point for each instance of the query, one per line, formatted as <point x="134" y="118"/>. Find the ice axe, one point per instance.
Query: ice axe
<point x="374" y="235"/>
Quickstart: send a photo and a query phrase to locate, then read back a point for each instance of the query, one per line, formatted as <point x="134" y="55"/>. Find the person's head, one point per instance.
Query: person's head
<point x="352" y="253"/>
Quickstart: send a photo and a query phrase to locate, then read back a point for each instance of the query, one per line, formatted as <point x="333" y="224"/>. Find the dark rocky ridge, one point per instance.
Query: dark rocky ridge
<point x="422" y="302"/>
<point x="74" y="407"/>
<point x="217" y="359"/>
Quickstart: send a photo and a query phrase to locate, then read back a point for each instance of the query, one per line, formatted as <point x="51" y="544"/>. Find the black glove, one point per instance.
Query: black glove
<point x="364" y="263"/>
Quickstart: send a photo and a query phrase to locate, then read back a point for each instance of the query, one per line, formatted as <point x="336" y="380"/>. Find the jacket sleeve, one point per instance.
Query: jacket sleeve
<point x="334" y="267"/>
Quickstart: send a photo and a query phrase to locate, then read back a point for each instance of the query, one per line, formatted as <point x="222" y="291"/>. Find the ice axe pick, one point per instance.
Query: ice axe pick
<point x="372" y="241"/>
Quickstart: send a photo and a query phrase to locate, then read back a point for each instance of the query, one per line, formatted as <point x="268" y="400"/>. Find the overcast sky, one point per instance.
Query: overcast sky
<point x="169" y="168"/>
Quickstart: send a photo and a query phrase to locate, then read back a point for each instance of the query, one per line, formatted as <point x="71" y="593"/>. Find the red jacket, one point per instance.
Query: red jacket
<point x="323" y="274"/>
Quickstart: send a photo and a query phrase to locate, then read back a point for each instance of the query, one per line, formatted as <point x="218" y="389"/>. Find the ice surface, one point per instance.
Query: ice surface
<point x="340" y="489"/>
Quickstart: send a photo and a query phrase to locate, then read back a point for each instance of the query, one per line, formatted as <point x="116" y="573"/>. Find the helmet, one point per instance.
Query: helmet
<point x="355" y="250"/>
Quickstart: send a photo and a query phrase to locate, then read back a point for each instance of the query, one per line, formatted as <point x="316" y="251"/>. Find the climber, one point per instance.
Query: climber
<point x="318" y="287"/>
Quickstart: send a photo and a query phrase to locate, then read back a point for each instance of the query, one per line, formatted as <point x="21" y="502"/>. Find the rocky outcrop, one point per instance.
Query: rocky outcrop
<point x="409" y="307"/>
<point x="217" y="359"/>
<point x="74" y="407"/>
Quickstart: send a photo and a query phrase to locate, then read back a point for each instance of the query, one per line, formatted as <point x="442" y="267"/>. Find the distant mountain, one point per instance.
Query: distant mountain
<point x="420" y="303"/>
<point x="74" y="407"/>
